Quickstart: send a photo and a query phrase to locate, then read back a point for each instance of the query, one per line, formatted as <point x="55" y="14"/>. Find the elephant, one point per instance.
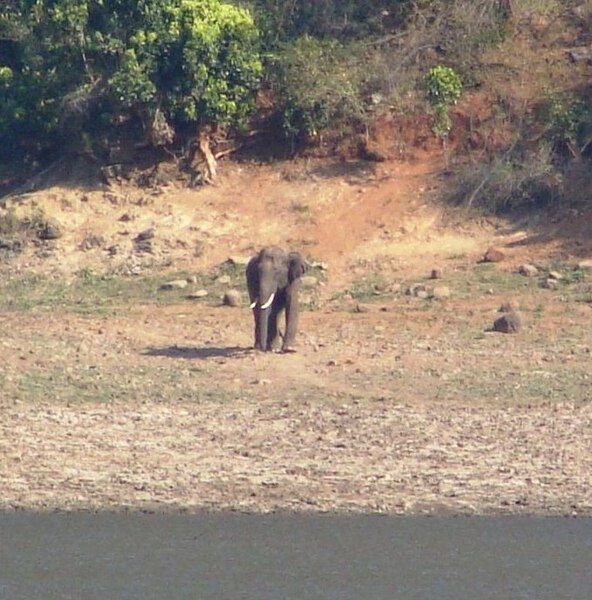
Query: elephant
<point x="273" y="280"/>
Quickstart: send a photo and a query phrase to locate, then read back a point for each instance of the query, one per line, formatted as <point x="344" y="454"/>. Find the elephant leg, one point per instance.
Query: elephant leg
<point x="273" y="337"/>
<point x="258" y="344"/>
<point x="292" y="311"/>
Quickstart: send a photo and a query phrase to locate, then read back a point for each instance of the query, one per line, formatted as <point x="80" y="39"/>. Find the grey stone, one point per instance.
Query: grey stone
<point x="440" y="292"/>
<point x="223" y="279"/>
<point x="50" y="229"/>
<point x="177" y="284"/>
<point x="232" y="298"/>
<point x="198" y="295"/>
<point x="493" y="255"/>
<point x="240" y="261"/>
<point x="416" y="289"/>
<point x="508" y="323"/>
<point x="528" y="270"/>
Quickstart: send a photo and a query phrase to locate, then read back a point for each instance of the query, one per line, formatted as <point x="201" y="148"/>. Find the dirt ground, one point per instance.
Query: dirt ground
<point x="117" y="395"/>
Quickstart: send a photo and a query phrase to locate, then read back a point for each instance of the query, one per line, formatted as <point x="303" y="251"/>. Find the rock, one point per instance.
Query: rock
<point x="436" y="273"/>
<point x="91" y="241"/>
<point x="147" y="234"/>
<point x="550" y="284"/>
<point x="197" y="295"/>
<point x="585" y="265"/>
<point x="493" y="255"/>
<point x="490" y="292"/>
<point x="240" y="261"/>
<point x="555" y="275"/>
<point x="508" y="306"/>
<point x="50" y="229"/>
<point x="223" y="279"/>
<point x="415" y="288"/>
<point x="11" y="244"/>
<point x="232" y="298"/>
<point x="508" y="323"/>
<point x="363" y="308"/>
<point x="319" y="265"/>
<point x="308" y="281"/>
<point x="423" y="294"/>
<point x="528" y="270"/>
<point x="177" y="284"/>
<point x="192" y="279"/>
<point x="441" y="292"/>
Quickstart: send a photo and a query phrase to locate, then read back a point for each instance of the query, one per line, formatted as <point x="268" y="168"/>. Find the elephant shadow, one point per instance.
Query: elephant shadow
<point x="193" y="353"/>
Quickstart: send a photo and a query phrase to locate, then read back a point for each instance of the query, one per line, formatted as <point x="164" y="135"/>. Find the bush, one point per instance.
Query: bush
<point x="76" y="64"/>
<point x="317" y="83"/>
<point x="517" y="179"/>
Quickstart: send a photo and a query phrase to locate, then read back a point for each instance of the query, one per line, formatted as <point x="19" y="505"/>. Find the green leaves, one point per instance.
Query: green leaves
<point x="191" y="61"/>
<point x="443" y="87"/>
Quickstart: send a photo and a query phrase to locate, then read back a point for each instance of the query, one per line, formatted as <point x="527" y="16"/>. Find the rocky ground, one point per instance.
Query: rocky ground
<point x="117" y="393"/>
<point x="126" y="383"/>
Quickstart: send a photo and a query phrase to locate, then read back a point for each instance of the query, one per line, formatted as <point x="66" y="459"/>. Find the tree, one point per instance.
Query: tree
<point x="78" y="64"/>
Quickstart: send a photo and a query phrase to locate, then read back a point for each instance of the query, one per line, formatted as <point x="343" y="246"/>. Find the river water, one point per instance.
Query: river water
<point x="84" y="556"/>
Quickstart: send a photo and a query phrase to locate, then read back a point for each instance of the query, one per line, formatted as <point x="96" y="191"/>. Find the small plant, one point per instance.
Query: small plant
<point x="443" y="88"/>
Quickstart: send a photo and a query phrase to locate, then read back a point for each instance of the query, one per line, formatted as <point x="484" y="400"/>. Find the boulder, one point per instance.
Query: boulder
<point x="528" y="270"/>
<point x="50" y="229"/>
<point x="197" y="295"/>
<point x="508" y="323"/>
<point x="493" y="255"/>
<point x="440" y="292"/>
<point x="415" y="289"/>
<point x="177" y="284"/>
<point x="232" y="298"/>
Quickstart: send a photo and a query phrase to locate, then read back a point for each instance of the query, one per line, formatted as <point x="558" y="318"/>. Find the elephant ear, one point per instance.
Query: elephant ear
<point x="296" y="266"/>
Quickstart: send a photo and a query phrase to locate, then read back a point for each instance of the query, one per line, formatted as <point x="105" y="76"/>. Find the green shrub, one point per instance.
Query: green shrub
<point x="443" y="87"/>
<point x="71" y="63"/>
<point x="317" y="83"/>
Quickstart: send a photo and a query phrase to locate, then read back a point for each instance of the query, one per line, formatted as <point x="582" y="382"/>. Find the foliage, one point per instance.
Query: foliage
<point x="281" y="21"/>
<point x="443" y="87"/>
<point x="516" y="179"/>
<point x="567" y="121"/>
<point x="317" y="83"/>
<point x="70" y="63"/>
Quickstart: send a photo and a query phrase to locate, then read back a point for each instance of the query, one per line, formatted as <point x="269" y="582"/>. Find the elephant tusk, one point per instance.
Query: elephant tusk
<point x="268" y="303"/>
<point x="253" y="305"/>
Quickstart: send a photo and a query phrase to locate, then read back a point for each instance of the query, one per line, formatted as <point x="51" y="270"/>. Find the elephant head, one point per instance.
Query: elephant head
<point x="273" y="279"/>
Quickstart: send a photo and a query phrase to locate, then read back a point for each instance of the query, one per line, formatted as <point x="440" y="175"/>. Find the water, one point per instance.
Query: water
<point x="230" y="556"/>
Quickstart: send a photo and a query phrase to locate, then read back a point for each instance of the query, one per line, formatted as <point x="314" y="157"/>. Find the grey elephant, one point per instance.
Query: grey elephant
<point x="273" y="280"/>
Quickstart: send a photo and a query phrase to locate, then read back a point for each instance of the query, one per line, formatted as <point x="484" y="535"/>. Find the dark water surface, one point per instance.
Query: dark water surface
<point x="231" y="556"/>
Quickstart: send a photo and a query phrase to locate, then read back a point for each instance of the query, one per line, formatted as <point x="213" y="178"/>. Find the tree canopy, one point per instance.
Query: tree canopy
<point x="79" y="65"/>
